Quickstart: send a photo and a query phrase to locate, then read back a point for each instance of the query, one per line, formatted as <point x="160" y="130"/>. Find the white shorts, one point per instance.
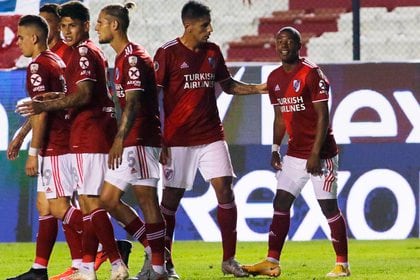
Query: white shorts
<point x="89" y="170"/>
<point x="55" y="176"/>
<point x="293" y="177"/>
<point x="139" y="167"/>
<point x="213" y="161"/>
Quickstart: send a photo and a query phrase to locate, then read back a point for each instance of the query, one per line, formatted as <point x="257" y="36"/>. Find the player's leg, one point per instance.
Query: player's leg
<point x="72" y="227"/>
<point x="178" y="176"/>
<point x="325" y="188"/>
<point x="155" y="225"/>
<point x="46" y="236"/>
<point x="290" y="181"/>
<point x="142" y="171"/>
<point x="105" y="233"/>
<point x="60" y="188"/>
<point x="215" y="166"/>
<point x="171" y="198"/>
<point x="88" y="186"/>
<point x="110" y="200"/>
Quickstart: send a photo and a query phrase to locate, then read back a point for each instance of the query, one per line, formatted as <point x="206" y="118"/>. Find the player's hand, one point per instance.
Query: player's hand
<point x="313" y="165"/>
<point x="29" y="108"/>
<point x="31" y="167"/>
<point x="165" y="156"/>
<point x="276" y="161"/>
<point x="115" y="154"/>
<point x="262" y="88"/>
<point x="14" y="147"/>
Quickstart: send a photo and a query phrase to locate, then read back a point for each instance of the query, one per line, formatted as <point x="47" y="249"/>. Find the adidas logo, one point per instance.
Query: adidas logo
<point x="277" y="88"/>
<point x="184" y="65"/>
<point x="271" y="233"/>
<point x="133" y="170"/>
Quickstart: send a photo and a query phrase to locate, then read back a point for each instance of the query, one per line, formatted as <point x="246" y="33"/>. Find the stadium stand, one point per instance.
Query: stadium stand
<point x="327" y="31"/>
<point x="158" y="21"/>
<point x="386" y="35"/>
<point x="246" y="32"/>
<point x="347" y="4"/>
<point x="310" y="23"/>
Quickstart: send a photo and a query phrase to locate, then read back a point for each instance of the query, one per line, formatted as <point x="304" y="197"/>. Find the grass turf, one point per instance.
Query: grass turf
<point x="390" y="259"/>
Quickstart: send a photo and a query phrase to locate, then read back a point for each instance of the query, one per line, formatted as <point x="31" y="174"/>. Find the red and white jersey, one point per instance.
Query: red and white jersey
<point x="134" y="71"/>
<point x="63" y="51"/>
<point x="295" y="92"/>
<point x="93" y="125"/>
<point x="188" y="80"/>
<point x="45" y="73"/>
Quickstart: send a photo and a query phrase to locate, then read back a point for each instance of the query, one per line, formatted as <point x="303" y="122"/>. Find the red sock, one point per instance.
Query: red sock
<point x="45" y="239"/>
<point x="137" y="230"/>
<point x="89" y="240"/>
<point x="170" y="219"/>
<point x="156" y="236"/>
<point x="105" y="233"/>
<point x="227" y="217"/>
<point x="339" y="237"/>
<point x="278" y="232"/>
<point x="73" y="228"/>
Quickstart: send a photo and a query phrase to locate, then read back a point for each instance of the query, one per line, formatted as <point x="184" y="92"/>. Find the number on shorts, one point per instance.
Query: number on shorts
<point x="46" y="177"/>
<point x="131" y="159"/>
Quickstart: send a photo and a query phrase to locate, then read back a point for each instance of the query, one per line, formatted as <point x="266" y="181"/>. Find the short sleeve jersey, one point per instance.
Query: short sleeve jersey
<point x="44" y="74"/>
<point x="188" y="79"/>
<point x="296" y="92"/>
<point x="63" y="51"/>
<point x="134" y="72"/>
<point x="94" y="125"/>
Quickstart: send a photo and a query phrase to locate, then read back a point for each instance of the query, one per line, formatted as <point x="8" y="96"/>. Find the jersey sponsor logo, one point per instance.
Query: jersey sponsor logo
<point x="199" y="80"/>
<point x="135" y="83"/>
<point x="291" y="104"/>
<point x="132" y="60"/>
<point x="36" y="79"/>
<point x="184" y="65"/>
<point x="83" y="51"/>
<point x="134" y="73"/>
<point x="34" y="67"/>
<point x="84" y="62"/>
<point x="296" y="85"/>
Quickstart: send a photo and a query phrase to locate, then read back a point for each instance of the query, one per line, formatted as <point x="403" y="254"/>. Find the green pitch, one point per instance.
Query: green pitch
<point x="370" y="260"/>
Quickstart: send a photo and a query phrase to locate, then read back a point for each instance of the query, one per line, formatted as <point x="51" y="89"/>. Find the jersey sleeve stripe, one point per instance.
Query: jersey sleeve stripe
<point x="320" y="100"/>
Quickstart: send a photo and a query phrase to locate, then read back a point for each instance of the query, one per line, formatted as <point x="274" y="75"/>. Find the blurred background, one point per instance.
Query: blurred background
<point x="332" y="31"/>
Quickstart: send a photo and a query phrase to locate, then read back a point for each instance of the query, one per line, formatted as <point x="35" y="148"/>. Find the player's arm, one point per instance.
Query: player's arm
<point x="235" y="87"/>
<point x="279" y="130"/>
<point x="38" y="123"/>
<point x="164" y="157"/>
<point x="132" y="105"/>
<point x="80" y="98"/>
<point x="313" y="164"/>
<point x="16" y="143"/>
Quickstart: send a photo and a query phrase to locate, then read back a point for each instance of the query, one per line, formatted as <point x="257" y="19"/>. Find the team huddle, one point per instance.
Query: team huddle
<point x="85" y="153"/>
